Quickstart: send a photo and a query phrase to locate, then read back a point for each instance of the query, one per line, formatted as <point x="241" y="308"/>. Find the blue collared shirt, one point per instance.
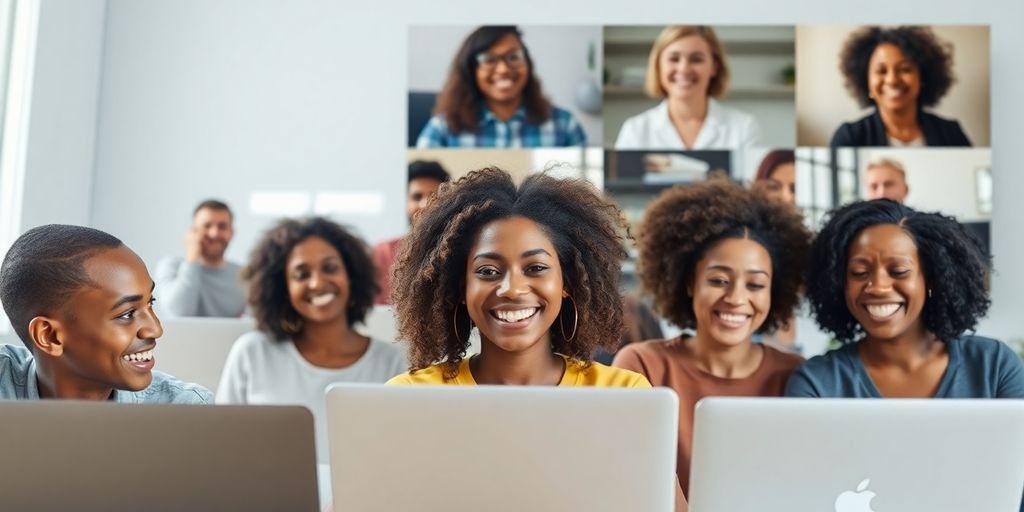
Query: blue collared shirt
<point x="560" y="130"/>
<point x="18" y="382"/>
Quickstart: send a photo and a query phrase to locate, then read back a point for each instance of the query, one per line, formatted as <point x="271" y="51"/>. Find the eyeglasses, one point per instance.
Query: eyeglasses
<point x="513" y="59"/>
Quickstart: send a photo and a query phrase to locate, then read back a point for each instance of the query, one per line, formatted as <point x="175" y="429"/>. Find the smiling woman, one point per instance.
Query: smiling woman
<point x="900" y="288"/>
<point x="688" y="69"/>
<point x="899" y="71"/>
<point x="309" y="281"/>
<point x="726" y="263"/>
<point x="493" y="98"/>
<point x="535" y="268"/>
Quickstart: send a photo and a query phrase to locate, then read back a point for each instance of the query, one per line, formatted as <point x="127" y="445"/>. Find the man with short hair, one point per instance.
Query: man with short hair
<point x="203" y="283"/>
<point x="82" y="303"/>
<point x="425" y="177"/>
<point x="885" y="178"/>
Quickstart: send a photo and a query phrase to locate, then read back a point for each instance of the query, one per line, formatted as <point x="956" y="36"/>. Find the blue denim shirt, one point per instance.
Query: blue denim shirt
<point x="18" y="382"/>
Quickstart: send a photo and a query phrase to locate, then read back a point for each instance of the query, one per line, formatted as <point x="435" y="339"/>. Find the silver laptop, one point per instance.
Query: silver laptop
<point x="97" y="456"/>
<point x="794" y="455"/>
<point x="195" y="349"/>
<point x="501" y="448"/>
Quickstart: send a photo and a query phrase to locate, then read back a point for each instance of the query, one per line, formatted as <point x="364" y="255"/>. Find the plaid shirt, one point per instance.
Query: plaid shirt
<point x="561" y="129"/>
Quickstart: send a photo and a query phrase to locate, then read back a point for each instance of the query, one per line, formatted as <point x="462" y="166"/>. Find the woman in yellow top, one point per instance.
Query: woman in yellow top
<point x="534" y="268"/>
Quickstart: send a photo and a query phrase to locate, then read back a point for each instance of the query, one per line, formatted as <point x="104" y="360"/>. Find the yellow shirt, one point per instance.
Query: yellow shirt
<point x="597" y="375"/>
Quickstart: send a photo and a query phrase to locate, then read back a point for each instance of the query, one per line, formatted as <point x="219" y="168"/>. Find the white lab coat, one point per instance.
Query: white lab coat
<point x="723" y="128"/>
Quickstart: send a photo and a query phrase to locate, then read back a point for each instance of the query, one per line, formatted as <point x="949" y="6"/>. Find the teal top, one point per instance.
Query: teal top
<point x="978" y="368"/>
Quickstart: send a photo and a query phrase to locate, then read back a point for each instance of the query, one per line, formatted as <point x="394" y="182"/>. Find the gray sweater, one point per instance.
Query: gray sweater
<point x="190" y="289"/>
<point x="262" y="370"/>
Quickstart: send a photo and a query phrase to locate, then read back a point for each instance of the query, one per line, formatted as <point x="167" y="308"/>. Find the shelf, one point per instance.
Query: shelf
<point x="779" y="92"/>
<point x="750" y="47"/>
<point x="764" y="53"/>
<point x="625" y="186"/>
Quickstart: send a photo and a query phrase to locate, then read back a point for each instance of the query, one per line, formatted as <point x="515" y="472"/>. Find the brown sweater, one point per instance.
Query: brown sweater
<point x="665" y="363"/>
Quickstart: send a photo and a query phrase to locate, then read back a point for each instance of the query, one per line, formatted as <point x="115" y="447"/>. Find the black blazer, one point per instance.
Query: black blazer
<point x="869" y="131"/>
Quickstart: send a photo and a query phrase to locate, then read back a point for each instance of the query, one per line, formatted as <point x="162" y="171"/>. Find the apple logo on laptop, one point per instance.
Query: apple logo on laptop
<point x="856" y="501"/>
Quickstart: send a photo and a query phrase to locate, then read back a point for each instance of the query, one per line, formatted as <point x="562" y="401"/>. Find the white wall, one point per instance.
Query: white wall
<point x="62" y="124"/>
<point x="823" y="103"/>
<point x="559" y="56"/>
<point x="223" y="97"/>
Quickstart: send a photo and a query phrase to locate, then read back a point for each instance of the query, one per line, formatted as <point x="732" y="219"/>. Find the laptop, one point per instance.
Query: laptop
<point x="195" y="349"/>
<point x="98" y="456"/>
<point x="848" y="455"/>
<point x="501" y="448"/>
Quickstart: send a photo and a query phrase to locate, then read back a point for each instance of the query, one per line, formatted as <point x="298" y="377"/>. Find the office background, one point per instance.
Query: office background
<point x="158" y="104"/>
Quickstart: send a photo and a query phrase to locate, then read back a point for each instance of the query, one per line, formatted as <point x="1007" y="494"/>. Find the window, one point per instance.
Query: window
<point x="18" y="24"/>
<point x="832" y="177"/>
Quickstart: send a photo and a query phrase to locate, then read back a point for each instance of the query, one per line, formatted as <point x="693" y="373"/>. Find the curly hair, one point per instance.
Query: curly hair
<point x="429" y="281"/>
<point x="933" y="57"/>
<point x="953" y="260"/>
<point x="460" y="99"/>
<point x="686" y="221"/>
<point x="268" y="283"/>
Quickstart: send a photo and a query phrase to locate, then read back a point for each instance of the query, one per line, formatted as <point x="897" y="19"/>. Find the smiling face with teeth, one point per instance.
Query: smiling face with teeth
<point x="104" y="337"/>
<point x="686" y="67"/>
<point x="894" y="81"/>
<point x="885" y="285"/>
<point x="318" y="283"/>
<point x="514" y="286"/>
<point x="732" y="291"/>
<point x="503" y="83"/>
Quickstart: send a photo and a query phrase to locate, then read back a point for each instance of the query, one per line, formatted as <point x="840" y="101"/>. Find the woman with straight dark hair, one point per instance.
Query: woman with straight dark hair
<point x="492" y="98"/>
<point x="776" y="177"/>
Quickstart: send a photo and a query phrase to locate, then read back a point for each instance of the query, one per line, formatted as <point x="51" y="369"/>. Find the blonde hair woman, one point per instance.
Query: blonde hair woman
<point x="687" y="70"/>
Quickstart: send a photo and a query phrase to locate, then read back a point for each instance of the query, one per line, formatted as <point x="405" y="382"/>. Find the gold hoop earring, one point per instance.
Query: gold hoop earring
<point x="575" y="319"/>
<point x="291" y="326"/>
